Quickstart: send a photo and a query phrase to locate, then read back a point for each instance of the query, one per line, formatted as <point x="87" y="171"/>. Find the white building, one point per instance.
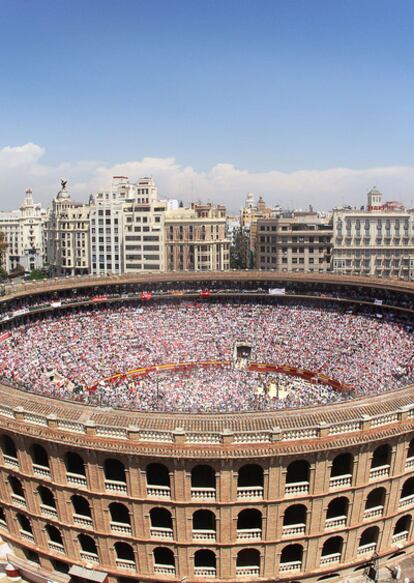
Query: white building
<point x="22" y="230"/>
<point x="378" y="240"/>
<point x="106" y="236"/>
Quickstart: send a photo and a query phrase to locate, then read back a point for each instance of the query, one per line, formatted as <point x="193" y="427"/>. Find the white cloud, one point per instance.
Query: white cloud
<point x="23" y="166"/>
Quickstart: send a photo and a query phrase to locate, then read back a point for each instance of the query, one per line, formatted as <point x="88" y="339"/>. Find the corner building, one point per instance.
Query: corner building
<point x="293" y="495"/>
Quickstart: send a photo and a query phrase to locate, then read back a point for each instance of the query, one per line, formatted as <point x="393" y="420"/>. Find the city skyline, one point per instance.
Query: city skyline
<point x="302" y="102"/>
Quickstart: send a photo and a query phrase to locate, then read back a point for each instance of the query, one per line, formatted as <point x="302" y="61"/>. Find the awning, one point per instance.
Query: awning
<point x="90" y="574"/>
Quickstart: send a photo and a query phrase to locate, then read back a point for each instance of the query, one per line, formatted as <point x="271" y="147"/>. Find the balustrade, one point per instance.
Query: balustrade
<point x="122" y="527"/>
<point x="76" y="479"/>
<point x="41" y="471"/>
<point x="369" y="548"/>
<point x="10" y="461"/>
<point x="379" y="472"/>
<point x="290" y="567"/>
<point x="293" y="529"/>
<point x="57" y="547"/>
<point x="48" y="510"/>
<point x="116" y="486"/>
<point x="335" y="522"/>
<point x="340" y="481"/>
<point x="328" y="559"/>
<point x="89" y="557"/>
<point x="406" y="501"/>
<point x="161" y="532"/>
<point x="204" y="534"/>
<point x="126" y="564"/>
<point x="203" y="493"/>
<point x="248" y="571"/>
<point x="373" y="512"/>
<point x="159" y="491"/>
<point x="205" y="571"/>
<point x="249" y="534"/>
<point x="250" y="492"/>
<point x="295" y="488"/>
<point x="164" y="569"/>
<point x="83" y="520"/>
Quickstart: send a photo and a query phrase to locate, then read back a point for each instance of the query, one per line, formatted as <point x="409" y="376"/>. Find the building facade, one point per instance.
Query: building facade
<point x="377" y="240"/>
<point x="23" y="234"/>
<point x="107" y="233"/>
<point x="294" y="241"/>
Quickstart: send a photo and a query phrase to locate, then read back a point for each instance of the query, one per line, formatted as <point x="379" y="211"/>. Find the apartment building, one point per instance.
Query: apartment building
<point x="23" y="234"/>
<point x="196" y="239"/>
<point x="107" y="232"/>
<point x="294" y="241"/>
<point x="377" y="240"/>
<point x="67" y="235"/>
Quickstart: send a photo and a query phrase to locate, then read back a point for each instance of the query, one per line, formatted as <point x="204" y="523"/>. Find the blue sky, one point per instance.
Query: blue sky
<point x="265" y="86"/>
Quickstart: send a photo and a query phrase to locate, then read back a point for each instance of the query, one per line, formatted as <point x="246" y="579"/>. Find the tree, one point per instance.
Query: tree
<point x="36" y="274"/>
<point x="240" y="254"/>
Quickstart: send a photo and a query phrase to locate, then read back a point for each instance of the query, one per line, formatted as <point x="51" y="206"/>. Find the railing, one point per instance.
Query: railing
<point x="26" y="535"/>
<point x="41" y="471"/>
<point x="158" y="491"/>
<point x="379" y="472"/>
<point x="47" y="510"/>
<point x="89" y="557"/>
<point x="373" y="512"/>
<point x="249" y="533"/>
<point x="250" y="492"/>
<point x="293" y="529"/>
<point x="19" y="500"/>
<point x="76" y="480"/>
<point x="116" y="486"/>
<point x="248" y="571"/>
<point x="294" y="488"/>
<point x="340" y="481"/>
<point x="290" y="566"/>
<point x="203" y="493"/>
<point x="205" y="571"/>
<point x="409" y="463"/>
<point x="335" y="522"/>
<point x="10" y="461"/>
<point x="126" y="564"/>
<point x="204" y="534"/>
<point x="328" y="559"/>
<point x="57" y="547"/>
<point x="400" y="537"/>
<point x="164" y="569"/>
<point x="369" y="548"/>
<point x="161" y="532"/>
<point x="3" y="524"/>
<point x="83" y="520"/>
<point x="407" y="501"/>
<point x="122" y="527"/>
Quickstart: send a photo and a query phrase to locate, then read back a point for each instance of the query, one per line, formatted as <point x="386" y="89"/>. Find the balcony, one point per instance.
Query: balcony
<point x="409" y="464"/>
<point x="203" y="493"/>
<point x="248" y="571"/>
<point x="407" y="501"/>
<point x="56" y="547"/>
<point x="291" y="567"/>
<point x="400" y="537"/>
<point x="293" y="529"/>
<point x="250" y="492"/>
<point x="329" y="559"/>
<point x="122" y="527"/>
<point x="249" y="534"/>
<point x="19" y="500"/>
<point x="126" y="564"/>
<point x="83" y="520"/>
<point x="205" y="571"/>
<point x="41" y="471"/>
<point x="76" y="480"/>
<point x="159" y="491"/>
<point x="164" y="569"/>
<point x="295" y="488"/>
<point x="335" y="522"/>
<point x="373" y="512"/>
<point x="116" y="486"/>
<point x="48" y="511"/>
<point x="27" y="536"/>
<point x="365" y="549"/>
<point x="204" y="534"/>
<point x="10" y="461"/>
<point x="161" y="532"/>
<point x="379" y="472"/>
<point x="89" y="557"/>
<point x="340" y="481"/>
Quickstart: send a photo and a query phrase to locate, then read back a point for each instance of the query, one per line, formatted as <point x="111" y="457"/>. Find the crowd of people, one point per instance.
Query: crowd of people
<point x="69" y="355"/>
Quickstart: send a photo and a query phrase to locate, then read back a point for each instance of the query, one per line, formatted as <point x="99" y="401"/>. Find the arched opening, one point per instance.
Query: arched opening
<point x="250" y="481"/>
<point x="203" y="482"/>
<point x="115" y="476"/>
<point x="60" y="566"/>
<point x="25" y="526"/>
<point x="164" y="561"/>
<point x="124" y="555"/>
<point x="407" y="493"/>
<point x="368" y="540"/>
<point x="249" y="524"/>
<point x="120" y="518"/>
<point x="158" y="480"/>
<point x="402" y="529"/>
<point x="89" y="550"/>
<point x="374" y="505"/>
<point x="205" y="563"/>
<point x="291" y="558"/>
<point x="55" y="542"/>
<point x="297" y="478"/>
<point x="9" y="451"/>
<point x="337" y="512"/>
<point x="3" y="521"/>
<point x="341" y="471"/>
<point x="47" y="501"/>
<point x="31" y="556"/>
<point x="39" y="456"/>
<point x="161" y="524"/>
<point x="410" y="455"/>
<point x="248" y="562"/>
<point x="75" y="468"/>
<point x="294" y="520"/>
<point x="81" y="511"/>
<point x="17" y="490"/>
<point x="204" y="525"/>
<point x="381" y="459"/>
<point x="332" y="550"/>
